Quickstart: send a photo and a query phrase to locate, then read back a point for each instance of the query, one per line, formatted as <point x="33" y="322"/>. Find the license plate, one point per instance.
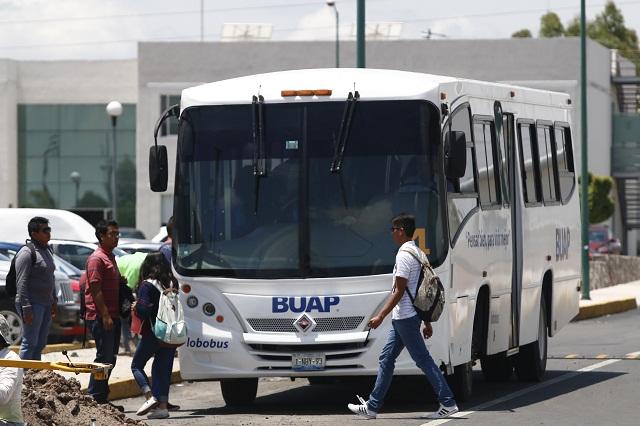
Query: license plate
<point x="307" y="362"/>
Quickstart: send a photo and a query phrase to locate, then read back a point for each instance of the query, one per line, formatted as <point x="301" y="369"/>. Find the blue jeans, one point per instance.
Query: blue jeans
<point x="149" y="346"/>
<point x="35" y="335"/>
<point x="406" y="333"/>
<point x="107" y="342"/>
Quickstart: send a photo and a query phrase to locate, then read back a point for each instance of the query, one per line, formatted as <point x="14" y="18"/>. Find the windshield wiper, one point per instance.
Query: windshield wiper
<point x="259" y="162"/>
<point x="343" y="134"/>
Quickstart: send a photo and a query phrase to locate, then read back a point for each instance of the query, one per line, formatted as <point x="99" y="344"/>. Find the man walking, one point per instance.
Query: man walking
<point x="36" y="299"/>
<point x="102" y="303"/>
<point x="405" y="331"/>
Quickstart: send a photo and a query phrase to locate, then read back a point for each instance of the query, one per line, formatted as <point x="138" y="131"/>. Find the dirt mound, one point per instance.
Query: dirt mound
<point x="49" y="399"/>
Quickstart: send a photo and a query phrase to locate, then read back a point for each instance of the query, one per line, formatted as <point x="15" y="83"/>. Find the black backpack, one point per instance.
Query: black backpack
<point x="10" y="285"/>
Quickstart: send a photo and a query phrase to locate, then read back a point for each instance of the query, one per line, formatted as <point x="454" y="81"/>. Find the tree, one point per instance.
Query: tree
<point x="551" y="26"/>
<point x="609" y="30"/>
<point x="601" y="205"/>
<point x="573" y="28"/>
<point x="523" y="33"/>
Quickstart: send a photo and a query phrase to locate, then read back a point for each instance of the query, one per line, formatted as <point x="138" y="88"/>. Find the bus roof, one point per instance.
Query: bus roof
<point x="372" y="84"/>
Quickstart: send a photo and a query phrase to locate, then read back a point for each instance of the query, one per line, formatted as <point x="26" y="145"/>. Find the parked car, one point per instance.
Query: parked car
<point x="602" y="242"/>
<point x="134" y="245"/>
<point x="67" y="324"/>
<point x="64" y="224"/>
<point x="132" y="233"/>
<point x="77" y="252"/>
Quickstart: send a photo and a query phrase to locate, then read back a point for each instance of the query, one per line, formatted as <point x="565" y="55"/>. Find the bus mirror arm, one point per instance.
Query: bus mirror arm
<point x="158" y="165"/>
<point x="455" y="154"/>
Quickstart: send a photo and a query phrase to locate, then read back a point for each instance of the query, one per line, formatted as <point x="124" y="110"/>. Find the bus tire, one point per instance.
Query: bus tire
<point x="239" y="391"/>
<point x="531" y="361"/>
<point x="461" y="381"/>
<point x="496" y="368"/>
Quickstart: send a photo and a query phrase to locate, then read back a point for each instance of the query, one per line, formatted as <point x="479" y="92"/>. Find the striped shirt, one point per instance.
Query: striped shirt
<point x="406" y="267"/>
<point x="102" y="272"/>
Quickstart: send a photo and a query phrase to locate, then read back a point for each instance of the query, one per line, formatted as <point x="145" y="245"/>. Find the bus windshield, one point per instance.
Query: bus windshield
<point x="300" y="219"/>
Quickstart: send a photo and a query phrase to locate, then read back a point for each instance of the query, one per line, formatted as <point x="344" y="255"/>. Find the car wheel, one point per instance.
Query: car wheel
<point x="16" y="328"/>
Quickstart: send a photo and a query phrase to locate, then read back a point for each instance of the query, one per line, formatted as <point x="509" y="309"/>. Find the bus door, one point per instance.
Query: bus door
<point x="505" y="128"/>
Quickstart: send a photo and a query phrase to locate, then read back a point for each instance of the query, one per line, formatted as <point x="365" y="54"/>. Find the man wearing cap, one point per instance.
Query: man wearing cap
<point x="36" y="297"/>
<point x="10" y="381"/>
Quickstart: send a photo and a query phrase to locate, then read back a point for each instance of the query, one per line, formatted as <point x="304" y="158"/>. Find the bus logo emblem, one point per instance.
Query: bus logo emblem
<point x="304" y="323"/>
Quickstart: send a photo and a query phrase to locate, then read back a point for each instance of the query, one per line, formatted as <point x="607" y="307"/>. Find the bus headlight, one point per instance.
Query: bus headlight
<point x="208" y="309"/>
<point x="192" y="301"/>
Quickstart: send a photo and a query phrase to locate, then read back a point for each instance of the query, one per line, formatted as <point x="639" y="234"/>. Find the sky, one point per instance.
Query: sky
<point x="110" y="29"/>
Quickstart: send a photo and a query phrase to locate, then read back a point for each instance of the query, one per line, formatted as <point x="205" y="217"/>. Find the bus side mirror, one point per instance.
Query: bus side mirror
<point x="455" y="154"/>
<point x="158" y="170"/>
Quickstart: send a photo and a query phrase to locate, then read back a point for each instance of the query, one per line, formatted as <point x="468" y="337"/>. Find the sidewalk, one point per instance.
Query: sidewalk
<point x="610" y="300"/>
<point x="121" y="383"/>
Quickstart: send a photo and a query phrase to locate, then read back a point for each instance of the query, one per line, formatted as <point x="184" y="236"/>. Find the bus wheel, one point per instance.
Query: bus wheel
<point x="531" y="361"/>
<point x="496" y="368"/>
<point x="461" y="382"/>
<point x="239" y="391"/>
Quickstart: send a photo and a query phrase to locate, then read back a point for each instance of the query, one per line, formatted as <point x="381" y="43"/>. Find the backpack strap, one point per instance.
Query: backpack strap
<point x="32" y="250"/>
<point x="420" y="277"/>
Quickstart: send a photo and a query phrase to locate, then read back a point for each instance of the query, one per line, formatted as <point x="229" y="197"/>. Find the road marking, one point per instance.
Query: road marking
<point x="629" y="356"/>
<point x="567" y="376"/>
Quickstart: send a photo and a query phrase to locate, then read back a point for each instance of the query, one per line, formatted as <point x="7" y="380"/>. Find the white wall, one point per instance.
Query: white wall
<point x="8" y="135"/>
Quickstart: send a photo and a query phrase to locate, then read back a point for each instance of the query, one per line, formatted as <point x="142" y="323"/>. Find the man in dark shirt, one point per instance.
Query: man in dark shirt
<point x="102" y="303"/>
<point x="35" y="289"/>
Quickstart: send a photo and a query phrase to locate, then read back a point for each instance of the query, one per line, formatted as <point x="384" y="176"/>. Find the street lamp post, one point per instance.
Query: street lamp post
<point x="75" y="178"/>
<point x="114" y="109"/>
<point x="332" y="3"/>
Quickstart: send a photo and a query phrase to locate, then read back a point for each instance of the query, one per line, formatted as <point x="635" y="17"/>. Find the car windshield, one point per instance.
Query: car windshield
<point x="302" y="220"/>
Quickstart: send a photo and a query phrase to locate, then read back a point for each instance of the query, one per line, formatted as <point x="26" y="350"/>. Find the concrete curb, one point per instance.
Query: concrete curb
<point x="594" y="310"/>
<point x="128" y="388"/>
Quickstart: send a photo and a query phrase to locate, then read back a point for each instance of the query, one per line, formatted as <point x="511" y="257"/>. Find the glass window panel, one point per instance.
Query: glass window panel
<point x="527" y="164"/>
<point x="482" y="164"/>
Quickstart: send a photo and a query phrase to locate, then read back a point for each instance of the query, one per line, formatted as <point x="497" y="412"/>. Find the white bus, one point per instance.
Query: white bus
<point x="285" y="187"/>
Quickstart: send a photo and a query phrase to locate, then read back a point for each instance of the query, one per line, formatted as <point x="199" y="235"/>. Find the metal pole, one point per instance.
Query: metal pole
<point x="337" y="38"/>
<point x="584" y="184"/>
<point x="114" y="167"/>
<point x="201" y="20"/>
<point x="360" y="34"/>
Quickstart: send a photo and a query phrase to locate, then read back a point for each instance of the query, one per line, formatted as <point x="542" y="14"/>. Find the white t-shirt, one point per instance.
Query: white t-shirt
<point x="406" y="267"/>
<point x="10" y="389"/>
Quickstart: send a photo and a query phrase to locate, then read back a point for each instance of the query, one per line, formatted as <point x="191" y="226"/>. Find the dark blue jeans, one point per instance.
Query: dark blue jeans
<point x="149" y="346"/>
<point x="406" y="333"/>
<point x="35" y="335"/>
<point x="107" y="343"/>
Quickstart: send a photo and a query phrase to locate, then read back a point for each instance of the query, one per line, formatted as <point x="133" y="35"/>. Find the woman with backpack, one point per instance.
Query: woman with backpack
<point x="156" y="279"/>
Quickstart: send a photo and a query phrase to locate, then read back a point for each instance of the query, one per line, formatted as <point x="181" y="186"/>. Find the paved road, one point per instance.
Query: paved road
<point x="587" y="382"/>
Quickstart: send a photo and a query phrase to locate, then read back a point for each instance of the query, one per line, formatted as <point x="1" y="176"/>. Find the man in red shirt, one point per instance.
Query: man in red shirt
<point x="102" y="303"/>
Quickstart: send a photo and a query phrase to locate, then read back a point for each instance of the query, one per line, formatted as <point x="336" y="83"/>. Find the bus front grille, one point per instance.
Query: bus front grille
<point x="285" y="325"/>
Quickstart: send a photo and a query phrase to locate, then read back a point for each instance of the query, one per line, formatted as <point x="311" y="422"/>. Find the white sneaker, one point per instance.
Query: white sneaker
<point x="362" y="409"/>
<point x="442" y="412"/>
<point x="159" y="413"/>
<point x="147" y="406"/>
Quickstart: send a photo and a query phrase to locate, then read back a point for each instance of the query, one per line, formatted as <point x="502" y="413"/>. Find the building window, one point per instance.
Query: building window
<point x="65" y="159"/>
<point x="169" y="127"/>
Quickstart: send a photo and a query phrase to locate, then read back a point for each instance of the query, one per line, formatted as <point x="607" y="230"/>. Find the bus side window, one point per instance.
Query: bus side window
<point x="462" y="194"/>
<point x="487" y="164"/>
<point x="548" y="168"/>
<point x="529" y="164"/>
<point x="564" y="157"/>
